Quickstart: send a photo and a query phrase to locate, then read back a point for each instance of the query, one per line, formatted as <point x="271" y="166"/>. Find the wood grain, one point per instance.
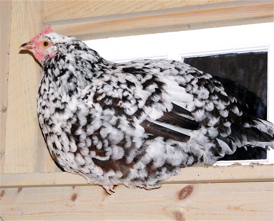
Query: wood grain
<point x="199" y="174"/>
<point x="185" y="19"/>
<point x="23" y="152"/>
<point x="219" y="201"/>
<point x="5" y="23"/>
<point x="68" y="10"/>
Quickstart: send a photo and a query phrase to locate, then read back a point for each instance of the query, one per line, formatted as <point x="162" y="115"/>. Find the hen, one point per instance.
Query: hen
<point x="138" y="122"/>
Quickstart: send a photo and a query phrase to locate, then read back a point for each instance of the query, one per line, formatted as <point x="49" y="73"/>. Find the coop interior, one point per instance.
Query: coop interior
<point x="32" y="187"/>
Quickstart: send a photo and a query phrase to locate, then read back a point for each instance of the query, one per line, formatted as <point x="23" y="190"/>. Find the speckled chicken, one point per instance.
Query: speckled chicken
<point x="138" y="122"/>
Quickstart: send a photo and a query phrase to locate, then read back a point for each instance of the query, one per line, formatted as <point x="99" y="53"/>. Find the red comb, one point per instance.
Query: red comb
<point x="45" y="31"/>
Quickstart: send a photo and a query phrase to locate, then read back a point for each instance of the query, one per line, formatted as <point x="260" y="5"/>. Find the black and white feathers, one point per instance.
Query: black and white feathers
<point x="137" y="122"/>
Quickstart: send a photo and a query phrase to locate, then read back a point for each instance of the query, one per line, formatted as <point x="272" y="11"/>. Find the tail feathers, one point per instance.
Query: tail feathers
<point x="266" y="127"/>
<point x="254" y="132"/>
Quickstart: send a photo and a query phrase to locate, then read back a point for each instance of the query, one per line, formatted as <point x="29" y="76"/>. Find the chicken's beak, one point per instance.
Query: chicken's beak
<point x="26" y="46"/>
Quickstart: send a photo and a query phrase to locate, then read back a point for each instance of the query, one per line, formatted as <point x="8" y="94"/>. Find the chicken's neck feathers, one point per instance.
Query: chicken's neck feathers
<point x="74" y="67"/>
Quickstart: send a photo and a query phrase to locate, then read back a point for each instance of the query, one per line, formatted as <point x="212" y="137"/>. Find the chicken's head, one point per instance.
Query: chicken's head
<point x="41" y="45"/>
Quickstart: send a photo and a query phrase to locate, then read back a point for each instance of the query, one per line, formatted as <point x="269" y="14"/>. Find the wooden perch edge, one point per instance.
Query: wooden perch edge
<point x="199" y="174"/>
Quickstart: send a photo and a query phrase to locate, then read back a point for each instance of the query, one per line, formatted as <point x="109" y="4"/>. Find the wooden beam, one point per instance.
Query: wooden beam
<point x="23" y="136"/>
<point x="186" y="18"/>
<point x="210" y="174"/>
<point x="5" y="23"/>
<point x="221" y="201"/>
<point x="69" y="10"/>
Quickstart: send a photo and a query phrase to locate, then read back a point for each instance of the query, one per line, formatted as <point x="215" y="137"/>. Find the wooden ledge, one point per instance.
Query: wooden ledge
<point x="188" y="18"/>
<point x="201" y="174"/>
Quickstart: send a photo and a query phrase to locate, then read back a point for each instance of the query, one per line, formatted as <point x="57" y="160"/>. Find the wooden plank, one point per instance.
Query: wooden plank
<point x="69" y="10"/>
<point x="210" y="174"/>
<point x="185" y="19"/>
<point x="23" y="136"/>
<point x="5" y="22"/>
<point x="222" y="201"/>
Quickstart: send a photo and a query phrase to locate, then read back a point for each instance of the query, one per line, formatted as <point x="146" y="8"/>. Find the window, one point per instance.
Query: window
<point x="192" y="46"/>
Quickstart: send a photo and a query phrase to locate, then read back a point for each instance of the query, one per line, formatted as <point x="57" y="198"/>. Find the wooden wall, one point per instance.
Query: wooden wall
<point x="33" y="188"/>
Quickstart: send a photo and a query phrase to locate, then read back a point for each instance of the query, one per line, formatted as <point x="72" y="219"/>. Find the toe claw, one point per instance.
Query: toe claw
<point x="109" y="189"/>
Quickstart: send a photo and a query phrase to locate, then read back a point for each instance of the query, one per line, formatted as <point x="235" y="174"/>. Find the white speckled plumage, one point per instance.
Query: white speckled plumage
<point x="137" y="122"/>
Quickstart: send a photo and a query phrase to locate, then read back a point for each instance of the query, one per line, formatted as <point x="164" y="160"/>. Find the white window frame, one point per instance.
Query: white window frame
<point x="202" y="42"/>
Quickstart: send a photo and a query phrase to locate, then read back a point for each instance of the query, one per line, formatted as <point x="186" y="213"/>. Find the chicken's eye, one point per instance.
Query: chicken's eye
<point x="45" y="43"/>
